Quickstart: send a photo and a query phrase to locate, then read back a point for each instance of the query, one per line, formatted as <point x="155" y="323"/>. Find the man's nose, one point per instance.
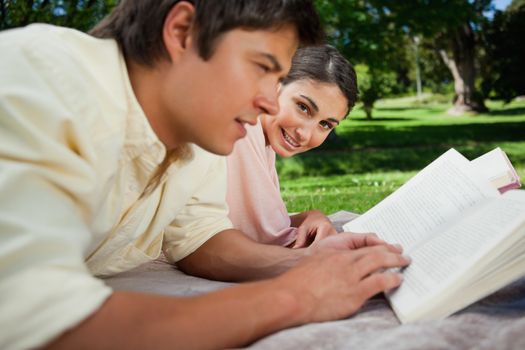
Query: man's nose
<point x="267" y="101"/>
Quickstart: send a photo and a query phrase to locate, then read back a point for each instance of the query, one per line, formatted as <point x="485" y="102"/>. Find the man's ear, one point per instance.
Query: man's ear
<point x="177" y="29"/>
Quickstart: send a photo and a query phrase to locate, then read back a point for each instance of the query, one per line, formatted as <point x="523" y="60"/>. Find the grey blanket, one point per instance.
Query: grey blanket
<point x="496" y="322"/>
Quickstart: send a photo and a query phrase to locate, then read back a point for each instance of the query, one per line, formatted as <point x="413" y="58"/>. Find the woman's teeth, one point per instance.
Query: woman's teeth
<point x="289" y="140"/>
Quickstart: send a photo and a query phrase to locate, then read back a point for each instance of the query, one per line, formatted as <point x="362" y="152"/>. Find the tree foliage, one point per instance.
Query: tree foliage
<point x="503" y="68"/>
<point x="378" y="32"/>
<point x="373" y="85"/>
<point x="79" y="14"/>
<point x="368" y="36"/>
<point x="452" y="28"/>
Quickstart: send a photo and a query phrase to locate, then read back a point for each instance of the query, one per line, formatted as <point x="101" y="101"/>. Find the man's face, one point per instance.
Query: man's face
<point x="209" y="102"/>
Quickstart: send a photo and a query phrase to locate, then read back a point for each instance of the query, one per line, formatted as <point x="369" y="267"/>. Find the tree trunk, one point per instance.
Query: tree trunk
<point x="367" y="107"/>
<point x="462" y="67"/>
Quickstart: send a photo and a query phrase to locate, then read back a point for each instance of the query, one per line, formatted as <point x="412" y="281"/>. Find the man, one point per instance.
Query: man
<point x="97" y="174"/>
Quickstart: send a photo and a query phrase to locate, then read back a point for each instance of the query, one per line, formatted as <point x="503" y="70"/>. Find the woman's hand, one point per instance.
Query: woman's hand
<point x="314" y="227"/>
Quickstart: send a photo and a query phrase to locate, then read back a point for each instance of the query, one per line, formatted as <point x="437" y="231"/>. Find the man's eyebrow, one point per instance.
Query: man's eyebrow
<point x="276" y="65"/>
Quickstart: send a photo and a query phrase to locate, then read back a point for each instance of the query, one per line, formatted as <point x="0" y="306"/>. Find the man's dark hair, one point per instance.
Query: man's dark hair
<point x="326" y="65"/>
<point x="137" y="24"/>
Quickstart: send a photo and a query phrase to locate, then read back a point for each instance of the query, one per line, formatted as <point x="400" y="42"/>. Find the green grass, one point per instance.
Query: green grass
<point x="370" y="159"/>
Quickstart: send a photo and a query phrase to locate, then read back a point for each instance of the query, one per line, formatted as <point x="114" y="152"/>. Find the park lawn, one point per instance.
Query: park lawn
<point x="330" y="194"/>
<point x="371" y="159"/>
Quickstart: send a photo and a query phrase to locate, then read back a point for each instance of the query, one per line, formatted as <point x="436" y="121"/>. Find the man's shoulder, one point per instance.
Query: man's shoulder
<point x="38" y="30"/>
<point x="40" y="35"/>
<point x="79" y="80"/>
<point x="58" y="48"/>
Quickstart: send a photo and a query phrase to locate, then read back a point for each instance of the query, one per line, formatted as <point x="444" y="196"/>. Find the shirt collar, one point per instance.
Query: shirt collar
<point x="140" y="139"/>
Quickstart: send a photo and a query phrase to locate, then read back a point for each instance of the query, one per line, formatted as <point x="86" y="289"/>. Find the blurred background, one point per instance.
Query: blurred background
<point x="432" y="74"/>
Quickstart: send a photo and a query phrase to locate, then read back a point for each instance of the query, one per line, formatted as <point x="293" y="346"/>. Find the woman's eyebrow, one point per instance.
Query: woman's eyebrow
<point x="316" y="108"/>
<point x="314" y="105"/>
<point x="333" y="120"/>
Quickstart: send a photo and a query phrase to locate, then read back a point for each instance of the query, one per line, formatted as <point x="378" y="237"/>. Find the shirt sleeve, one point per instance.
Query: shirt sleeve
<point x="45" y="287"/>
<point x="254" y="197"/>
<point x="206" y="212"/>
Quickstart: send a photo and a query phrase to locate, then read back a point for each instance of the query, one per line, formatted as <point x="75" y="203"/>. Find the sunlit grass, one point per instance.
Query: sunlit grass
<point x="347" y="192"/>
<point x="371" y="159"/>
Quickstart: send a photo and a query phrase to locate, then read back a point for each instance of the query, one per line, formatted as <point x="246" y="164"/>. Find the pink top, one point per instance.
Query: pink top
<point x="253" y="195"/>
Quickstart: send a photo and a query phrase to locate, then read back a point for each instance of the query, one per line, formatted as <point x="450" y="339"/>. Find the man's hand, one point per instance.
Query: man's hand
<point x="334" y="284"/>
<point x="314" y="227"/>
<point x="346" y="241"/>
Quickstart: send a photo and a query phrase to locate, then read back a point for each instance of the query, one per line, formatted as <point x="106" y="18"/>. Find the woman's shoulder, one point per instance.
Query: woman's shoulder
<point x="254" y="140"/>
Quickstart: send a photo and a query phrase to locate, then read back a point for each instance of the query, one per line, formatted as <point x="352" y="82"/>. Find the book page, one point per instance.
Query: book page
<point x="496" y="166"/>
<point x="461" y="254"/>
<point x="436" y="197"/>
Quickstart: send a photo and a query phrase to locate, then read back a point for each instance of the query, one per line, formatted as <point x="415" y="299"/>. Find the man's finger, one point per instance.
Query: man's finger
<point x="360" y="240"/>
<point x="366" y="240"/>
<point x="379" y="282"/>
<point x="378" y="260"/>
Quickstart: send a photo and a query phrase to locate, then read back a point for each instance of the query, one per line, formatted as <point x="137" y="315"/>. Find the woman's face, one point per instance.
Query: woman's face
<point x="309" y="110"/>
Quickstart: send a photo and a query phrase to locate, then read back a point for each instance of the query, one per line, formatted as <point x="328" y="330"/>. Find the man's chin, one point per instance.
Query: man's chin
<point x="223" y="149"/>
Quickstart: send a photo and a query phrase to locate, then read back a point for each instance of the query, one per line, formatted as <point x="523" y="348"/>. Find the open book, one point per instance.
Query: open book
<point x="465" y="238"/>
<point x="496" y="167"/>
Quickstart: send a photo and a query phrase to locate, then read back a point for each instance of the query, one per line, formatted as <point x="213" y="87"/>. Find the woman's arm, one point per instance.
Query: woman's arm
<point x="312" y="226"/>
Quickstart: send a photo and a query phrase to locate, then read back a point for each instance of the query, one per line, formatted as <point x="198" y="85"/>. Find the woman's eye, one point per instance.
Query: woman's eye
<point x="303" y="108"/>
<point x="326" y="125"/>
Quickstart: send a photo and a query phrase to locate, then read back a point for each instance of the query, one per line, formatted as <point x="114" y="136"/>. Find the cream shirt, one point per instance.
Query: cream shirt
<point x="76" y="152"/>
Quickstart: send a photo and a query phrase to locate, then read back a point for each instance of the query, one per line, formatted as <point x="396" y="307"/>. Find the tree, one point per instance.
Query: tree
<point x="504" y="70"/>
<point x="373" y="84"/>
<point x="367" y="36"/>
<point x="436" y="75"/>
<point x="452" y="26"/>
<point x="375" y="32"/>
<point x="79" y="14"/>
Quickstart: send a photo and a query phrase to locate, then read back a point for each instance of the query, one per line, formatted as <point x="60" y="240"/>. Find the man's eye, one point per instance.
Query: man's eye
<point x="264" y="67"/>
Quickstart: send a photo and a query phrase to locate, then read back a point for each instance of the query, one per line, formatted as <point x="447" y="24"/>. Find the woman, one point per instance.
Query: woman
<point x="314" y="98"/>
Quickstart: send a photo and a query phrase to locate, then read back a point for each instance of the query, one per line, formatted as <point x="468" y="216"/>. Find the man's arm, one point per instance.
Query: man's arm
<point x="327" y="286"/>
<point x="232" y="256"/>
<point x="228" y="318"/>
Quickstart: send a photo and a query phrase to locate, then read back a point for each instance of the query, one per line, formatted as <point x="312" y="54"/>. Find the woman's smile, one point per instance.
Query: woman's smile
<point x="289" y="140"/>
